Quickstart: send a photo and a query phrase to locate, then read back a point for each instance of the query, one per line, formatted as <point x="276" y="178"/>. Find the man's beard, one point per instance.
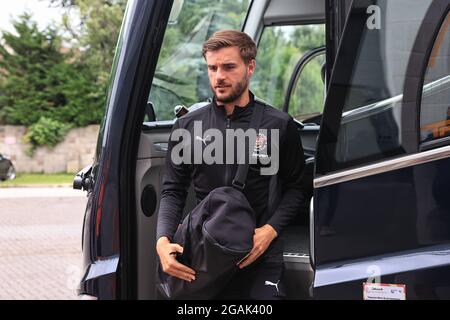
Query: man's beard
<point x="236" y="92"/>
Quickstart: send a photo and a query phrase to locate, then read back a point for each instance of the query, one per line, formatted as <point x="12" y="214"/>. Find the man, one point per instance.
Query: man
<point x="230" y="57"/>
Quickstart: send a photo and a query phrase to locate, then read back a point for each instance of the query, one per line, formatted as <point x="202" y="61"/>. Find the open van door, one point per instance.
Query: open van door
<point x="381" y="219"/>
<point x="107" y="271"/>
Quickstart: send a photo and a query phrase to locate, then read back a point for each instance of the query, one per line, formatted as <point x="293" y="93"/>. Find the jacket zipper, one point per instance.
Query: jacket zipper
<point x="227" y="165"/>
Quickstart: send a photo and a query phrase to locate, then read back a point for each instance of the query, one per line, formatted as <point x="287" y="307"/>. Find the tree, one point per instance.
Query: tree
<point x="96" y="35"/>
<point x="37" y="79"/>
<point x="181" y="75"/>
<point x="280" y="49"/>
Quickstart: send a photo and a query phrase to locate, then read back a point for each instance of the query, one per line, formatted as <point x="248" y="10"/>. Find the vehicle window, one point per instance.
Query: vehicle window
<point x="279" y="51"/>
<point x="307" y="98"/>
<point x="181" y="76"/>
<point x="435" y="108"/>
<point x="367" y="87"/>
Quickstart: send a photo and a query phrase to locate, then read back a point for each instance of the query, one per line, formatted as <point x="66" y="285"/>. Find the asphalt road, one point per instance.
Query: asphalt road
<point x="40" y="243"/>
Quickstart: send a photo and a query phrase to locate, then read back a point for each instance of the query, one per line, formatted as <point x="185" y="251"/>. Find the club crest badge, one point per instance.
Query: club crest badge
<point x="261" y="143"/>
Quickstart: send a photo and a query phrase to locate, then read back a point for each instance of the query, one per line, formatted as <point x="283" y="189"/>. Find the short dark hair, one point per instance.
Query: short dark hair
<point x="232" y="38"/>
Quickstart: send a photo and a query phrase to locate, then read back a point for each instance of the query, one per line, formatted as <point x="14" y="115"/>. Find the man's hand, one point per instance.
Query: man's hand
<point x="261" y="241"/>
<point x="167" y="252"/>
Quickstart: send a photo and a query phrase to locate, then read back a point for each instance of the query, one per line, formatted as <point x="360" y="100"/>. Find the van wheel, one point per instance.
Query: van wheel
<point x="11" y="175"/>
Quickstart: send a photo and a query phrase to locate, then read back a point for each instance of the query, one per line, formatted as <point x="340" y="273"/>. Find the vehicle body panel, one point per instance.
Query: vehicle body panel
<point x="381" y="218"/>
<point x="108" y="269"/>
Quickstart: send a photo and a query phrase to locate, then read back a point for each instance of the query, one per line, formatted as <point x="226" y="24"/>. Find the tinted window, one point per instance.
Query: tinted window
<point x="279" y="51"/>
<point x="308" y="96"/>
<point x="181" y="76"/>
<point x="435" y="109"/>
<point x="366" y="90"/>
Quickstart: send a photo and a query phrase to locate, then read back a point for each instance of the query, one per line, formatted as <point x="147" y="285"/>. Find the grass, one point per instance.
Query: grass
<point x="39" y="180"/>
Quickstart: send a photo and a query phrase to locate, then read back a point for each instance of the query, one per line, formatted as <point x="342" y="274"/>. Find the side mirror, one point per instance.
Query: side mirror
<point x="84" y="180"/>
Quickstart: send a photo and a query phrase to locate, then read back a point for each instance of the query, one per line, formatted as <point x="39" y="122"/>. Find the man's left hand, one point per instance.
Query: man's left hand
<point x="261" y="241"/>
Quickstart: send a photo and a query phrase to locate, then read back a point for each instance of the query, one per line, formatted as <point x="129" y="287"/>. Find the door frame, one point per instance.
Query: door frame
<point x="140" y="54"/>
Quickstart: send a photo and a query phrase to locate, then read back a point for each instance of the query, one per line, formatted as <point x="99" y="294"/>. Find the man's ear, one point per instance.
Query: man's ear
<point x="251" y="67"/>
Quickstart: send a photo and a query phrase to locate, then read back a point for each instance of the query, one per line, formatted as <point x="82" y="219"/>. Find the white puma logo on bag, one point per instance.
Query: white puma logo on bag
<point x="268" y="283"/>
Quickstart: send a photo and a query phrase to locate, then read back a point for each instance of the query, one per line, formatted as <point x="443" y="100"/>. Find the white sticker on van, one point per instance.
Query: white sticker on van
<point x="379" y="291"/>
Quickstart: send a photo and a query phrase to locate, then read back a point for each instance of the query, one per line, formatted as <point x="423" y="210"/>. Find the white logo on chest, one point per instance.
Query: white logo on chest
<point x="207" y="138"/>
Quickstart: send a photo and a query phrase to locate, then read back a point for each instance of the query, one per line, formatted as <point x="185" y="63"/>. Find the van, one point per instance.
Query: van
<point x="368" y="83"/>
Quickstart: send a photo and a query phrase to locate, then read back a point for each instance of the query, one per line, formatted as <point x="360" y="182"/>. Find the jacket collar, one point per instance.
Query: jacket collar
<point x="238" y="112"/>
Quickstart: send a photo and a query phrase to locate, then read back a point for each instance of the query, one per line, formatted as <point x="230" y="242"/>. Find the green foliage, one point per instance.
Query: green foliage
<point x="181" y="74"/>
<point x="308" y="96"/>
<point x="46" y="132"/>
<point x="279" y="51"/>
<point x="40" y="85"/>
<point x="39" y="80"/>
<point x="39" y="179"/>
<point x="96" y="36"/>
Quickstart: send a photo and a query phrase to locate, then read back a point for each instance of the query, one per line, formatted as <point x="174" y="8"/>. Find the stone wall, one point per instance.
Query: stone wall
<point x="73" y="154"/>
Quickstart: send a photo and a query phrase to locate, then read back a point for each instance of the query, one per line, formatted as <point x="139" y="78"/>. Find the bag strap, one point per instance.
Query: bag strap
<point x="238" y="182"/>
<point x="242" y="170"/>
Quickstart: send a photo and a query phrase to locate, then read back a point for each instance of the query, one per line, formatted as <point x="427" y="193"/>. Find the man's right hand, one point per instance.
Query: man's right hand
<point x="167" y="252"/>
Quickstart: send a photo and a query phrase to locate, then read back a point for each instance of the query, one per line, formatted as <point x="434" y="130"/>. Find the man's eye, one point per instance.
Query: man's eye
<point x="212" y="68"/>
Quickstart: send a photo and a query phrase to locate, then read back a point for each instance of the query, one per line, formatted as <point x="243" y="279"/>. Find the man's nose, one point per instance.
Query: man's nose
<point x="220" y="75"/>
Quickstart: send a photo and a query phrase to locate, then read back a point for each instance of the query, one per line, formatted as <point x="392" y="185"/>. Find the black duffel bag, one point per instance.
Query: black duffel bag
<point x="216" y="235"/>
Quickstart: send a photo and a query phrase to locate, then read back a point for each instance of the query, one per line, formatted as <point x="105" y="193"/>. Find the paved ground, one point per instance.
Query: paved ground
<point x="40" y="243"/>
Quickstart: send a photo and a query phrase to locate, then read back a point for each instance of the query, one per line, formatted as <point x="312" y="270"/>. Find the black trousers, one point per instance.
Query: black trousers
<point x="259" y="281"/>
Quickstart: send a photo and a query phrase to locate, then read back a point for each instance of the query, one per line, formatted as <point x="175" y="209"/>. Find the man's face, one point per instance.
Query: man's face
<point x="228" y="74"/>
